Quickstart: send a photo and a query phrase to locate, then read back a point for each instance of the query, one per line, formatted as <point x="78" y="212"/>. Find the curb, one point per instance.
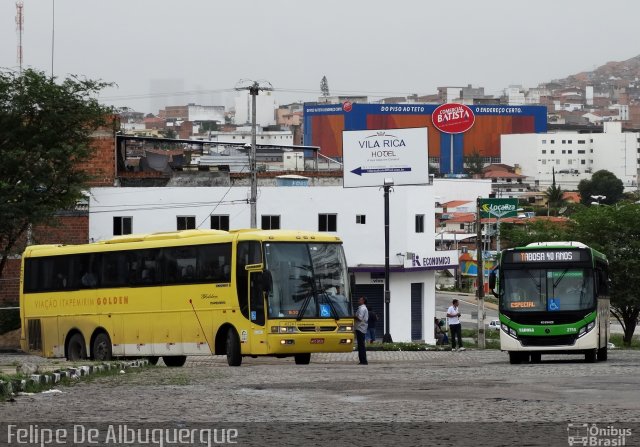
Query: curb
<point x="53" y="377"/>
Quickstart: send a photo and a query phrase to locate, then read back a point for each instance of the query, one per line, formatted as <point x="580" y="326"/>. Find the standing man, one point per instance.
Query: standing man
<point x="454" y="324"/>
<point x="361" y="318"/>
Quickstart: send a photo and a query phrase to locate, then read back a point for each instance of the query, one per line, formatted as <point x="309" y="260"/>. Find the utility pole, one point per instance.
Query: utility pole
<point x="19" y="30"/>
<point x="254" y="88"/>
<point x="480" y="277"/>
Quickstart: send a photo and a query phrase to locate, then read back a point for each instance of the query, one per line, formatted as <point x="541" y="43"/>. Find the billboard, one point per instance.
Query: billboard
<point x="371" y="156"/>
<point x="324" y="123"/>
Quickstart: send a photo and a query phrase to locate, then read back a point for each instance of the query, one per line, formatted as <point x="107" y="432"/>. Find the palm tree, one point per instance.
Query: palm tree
<point x="554" y="194"/>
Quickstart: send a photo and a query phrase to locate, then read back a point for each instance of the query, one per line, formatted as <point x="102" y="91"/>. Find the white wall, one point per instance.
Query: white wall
<point x="446" y="189"/>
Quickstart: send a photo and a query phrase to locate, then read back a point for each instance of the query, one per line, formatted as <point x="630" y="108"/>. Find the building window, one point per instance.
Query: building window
<point x="553" y="151"/>
<point x="583" y="162"/>
<point x="564" y="141"/>
<point x="186" y="222"/>
<point x="122" y="225"/>
<point x="582" y="141"/>
<point x="553" y="141"/>
<point x="569" y="161"/>
<point x="419" y="223"/>
<point x="220" y="222"/>
<point x="557" y="161"/>
<point x="544" y="162"/>
<point x="327" y="222"/>
<point x="544" y="141"/>
<point x="569" y="141"/>
<point x="563" y="151"/>
<point x="361" y="219"/>
<point x="270" y="222"/>
<point x="544" y="151"/>
<point x="581" y="151"/>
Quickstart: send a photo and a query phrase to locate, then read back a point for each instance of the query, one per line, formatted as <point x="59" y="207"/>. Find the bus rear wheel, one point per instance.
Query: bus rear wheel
<point x="303" y="359"/>
<point x="234" y="356"/>
<point x="153" y="360"/>
<point x="76" y="349"/>
<point x="101" y="348"/>
<point x="174" y="361"/>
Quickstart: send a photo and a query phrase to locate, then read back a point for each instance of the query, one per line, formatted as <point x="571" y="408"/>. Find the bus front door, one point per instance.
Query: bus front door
<point x="258" y="336"/>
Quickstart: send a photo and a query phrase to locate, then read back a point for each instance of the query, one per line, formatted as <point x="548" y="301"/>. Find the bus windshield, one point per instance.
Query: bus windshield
<point x="309" y="280"/>
<point x="547" y="290"/>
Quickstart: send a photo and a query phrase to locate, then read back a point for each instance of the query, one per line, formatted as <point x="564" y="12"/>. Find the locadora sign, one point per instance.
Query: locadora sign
<point x="498" y="207"/>
<point x="453" y="118"/>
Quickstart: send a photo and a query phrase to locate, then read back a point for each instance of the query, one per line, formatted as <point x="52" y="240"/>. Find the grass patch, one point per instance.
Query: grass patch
<point x="616" y="339"/>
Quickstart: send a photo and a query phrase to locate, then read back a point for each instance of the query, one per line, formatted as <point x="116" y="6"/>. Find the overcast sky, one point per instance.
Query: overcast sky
<point x="370" y="47"/>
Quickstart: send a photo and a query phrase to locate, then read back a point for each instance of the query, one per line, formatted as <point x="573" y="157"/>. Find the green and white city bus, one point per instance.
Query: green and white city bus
<point x="553" y="299"/>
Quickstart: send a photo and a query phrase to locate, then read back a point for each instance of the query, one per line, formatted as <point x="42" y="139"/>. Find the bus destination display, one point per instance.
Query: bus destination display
<point x="545" y="256"/>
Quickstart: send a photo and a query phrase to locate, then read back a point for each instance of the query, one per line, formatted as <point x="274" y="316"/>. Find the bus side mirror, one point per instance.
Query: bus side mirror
<point x="492" y="283"/>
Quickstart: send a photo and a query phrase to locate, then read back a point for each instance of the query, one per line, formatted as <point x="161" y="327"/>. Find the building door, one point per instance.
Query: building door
<point x="374" y="293"/>
<point x="416" y="311"/>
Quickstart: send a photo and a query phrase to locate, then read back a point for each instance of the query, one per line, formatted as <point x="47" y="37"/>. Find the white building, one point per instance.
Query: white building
<point x="243" y="135"/>
<point x="574" y="156"/>
<point x="355" y="214"/>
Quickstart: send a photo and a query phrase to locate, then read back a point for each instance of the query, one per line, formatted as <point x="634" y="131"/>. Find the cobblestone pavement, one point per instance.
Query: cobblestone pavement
<point x="411" y="387"/>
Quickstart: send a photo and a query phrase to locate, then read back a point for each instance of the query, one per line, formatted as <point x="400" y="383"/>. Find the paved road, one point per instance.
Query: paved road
<point x="457" y="397"/>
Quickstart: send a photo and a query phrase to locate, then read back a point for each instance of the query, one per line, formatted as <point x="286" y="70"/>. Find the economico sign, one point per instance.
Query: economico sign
<point x="453" y="118"/>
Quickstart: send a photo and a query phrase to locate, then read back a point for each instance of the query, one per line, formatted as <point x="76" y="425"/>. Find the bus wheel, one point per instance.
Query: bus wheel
<point x="590" y="356"/>
<point x="602" y="354"/>
<point x="174" y="361"/>
<point x="515" y="358"/>
<point x="234" y="356"/>
<point x="76" y="350"/>
<point x="153" y="360"/>
<point x="303" y="359"/>
<point x="536" y="357"/>
<point x="101" y="349"/>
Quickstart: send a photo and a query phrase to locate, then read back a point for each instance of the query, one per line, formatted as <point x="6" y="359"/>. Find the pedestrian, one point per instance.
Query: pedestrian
<point x="454" y="325"/>
<point x="361" y="318"/>
<point x="371" y="325"/>
<point x="438" y="332"/>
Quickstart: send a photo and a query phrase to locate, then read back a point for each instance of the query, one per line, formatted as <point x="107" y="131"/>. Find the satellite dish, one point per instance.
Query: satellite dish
<point x="562" y="210"/>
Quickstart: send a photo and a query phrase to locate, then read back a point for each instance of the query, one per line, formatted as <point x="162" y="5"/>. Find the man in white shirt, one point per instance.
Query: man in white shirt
<point x="454" y="325"/>
<point x="362" y="317"/>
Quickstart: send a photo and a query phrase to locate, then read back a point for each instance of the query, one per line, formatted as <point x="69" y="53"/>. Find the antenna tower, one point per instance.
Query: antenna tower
<point x="19" y="29"/>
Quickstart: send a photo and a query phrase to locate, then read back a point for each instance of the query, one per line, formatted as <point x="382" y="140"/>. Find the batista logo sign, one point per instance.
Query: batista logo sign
<point x="453" y="118"/>
<point x="498" y="207"/>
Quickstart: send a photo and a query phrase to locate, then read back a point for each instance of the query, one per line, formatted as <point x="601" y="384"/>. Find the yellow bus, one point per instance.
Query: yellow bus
<point x="194" y="292"/>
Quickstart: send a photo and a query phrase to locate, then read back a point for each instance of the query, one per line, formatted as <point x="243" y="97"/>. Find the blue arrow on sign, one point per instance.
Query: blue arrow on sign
<point x="360" y="171"/>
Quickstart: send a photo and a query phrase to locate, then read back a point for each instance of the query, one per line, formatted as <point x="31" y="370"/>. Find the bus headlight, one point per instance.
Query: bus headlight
<point x="283" y="329"/>
<point x="508" y="330"/>
<point x="585" y="329"/>
<point x="345" y="328"/>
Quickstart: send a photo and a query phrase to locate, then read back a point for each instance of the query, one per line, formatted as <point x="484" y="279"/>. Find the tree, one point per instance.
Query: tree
<point x="615" y="232"/>
<point x="474" y="163"/>
<point x="45" y="131"/>
<point x="602" y="183"/>
<point x="324" y="87"/>
<point x="555" y="194"/>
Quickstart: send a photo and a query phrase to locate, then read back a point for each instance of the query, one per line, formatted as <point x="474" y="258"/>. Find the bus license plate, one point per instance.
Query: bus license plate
<point x="317" y="341"/>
